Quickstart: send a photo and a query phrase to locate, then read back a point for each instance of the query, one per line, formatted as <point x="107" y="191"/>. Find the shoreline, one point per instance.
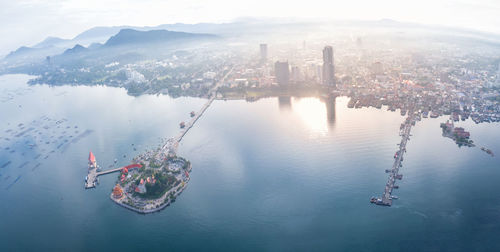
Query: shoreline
<point x="160" y="207"/>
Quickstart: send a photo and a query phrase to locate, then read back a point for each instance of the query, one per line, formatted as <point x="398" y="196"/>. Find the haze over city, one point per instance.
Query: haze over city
<point x="26" y="22"/>
<point x="249" y="125"/>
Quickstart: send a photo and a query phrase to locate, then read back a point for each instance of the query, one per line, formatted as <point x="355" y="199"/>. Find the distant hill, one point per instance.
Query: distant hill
<point x="76" y="49"/>
<point x="130" y="36"/>
<point x="94" y="46"/>
<point x="51" y="41"/>
<point x="100" y="32"/>
<point x="20" y="51"/>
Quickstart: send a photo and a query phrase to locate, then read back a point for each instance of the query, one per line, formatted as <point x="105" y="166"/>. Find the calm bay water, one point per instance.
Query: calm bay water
<point x="276" y="174"/>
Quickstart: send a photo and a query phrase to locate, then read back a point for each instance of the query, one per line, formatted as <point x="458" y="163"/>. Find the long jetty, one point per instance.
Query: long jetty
<point x="172" y="144"/>
<point x="387" y="197"/>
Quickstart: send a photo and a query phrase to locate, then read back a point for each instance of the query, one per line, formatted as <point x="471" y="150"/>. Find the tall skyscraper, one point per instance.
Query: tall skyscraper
<point x="263" y="53"/>
<point x="282" y="73"/>
<point x="328" y="68"/>
<point x="295" y="75"/>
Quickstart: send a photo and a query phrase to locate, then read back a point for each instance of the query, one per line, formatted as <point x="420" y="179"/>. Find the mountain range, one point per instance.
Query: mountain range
<point x="123" y="35"/>
<point x="94" y="38"/>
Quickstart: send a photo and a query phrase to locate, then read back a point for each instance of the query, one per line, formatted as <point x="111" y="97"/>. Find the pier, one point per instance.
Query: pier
<point x="172" y="144"/>
<point x="91" y="179"/>
<point x="387" y="197"/>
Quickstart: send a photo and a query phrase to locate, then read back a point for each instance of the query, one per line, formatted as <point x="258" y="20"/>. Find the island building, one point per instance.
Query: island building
<point x="117" y="192"/>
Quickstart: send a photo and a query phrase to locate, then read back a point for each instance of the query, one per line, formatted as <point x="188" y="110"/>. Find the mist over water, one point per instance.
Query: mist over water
<point x="281" y="173"/>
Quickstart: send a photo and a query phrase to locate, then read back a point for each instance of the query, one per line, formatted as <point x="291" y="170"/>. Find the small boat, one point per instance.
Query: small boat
<point x="394" y="197"/>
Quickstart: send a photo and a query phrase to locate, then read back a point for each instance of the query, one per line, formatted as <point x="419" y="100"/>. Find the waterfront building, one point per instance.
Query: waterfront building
<point x="282" y="73"/>
<point x="328" y="67"/>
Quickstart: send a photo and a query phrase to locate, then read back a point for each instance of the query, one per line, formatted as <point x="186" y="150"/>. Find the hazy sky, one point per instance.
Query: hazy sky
<point x="25" y="22"/>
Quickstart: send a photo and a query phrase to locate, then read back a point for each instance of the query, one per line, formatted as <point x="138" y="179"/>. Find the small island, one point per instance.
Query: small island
<point x="154" y="182"/>
<point x="458" y="134"/>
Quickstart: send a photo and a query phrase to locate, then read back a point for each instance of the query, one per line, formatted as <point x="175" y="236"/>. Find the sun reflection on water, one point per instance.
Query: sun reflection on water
<point x="313" y="113"/>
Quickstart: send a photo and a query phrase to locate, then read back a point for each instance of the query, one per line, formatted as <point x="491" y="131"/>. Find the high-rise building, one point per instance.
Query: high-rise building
<point x="282" y="73"/>
<point x="296" y="75"/>
<point x="263" y="53"/>
<point x="377" y="68"/>
<point x="328" y="68"/>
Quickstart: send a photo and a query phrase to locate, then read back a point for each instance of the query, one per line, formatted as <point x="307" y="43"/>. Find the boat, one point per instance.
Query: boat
<point x="394" y="197"/>
<point x="490" y="152"/>
<point x="373" y="200"/>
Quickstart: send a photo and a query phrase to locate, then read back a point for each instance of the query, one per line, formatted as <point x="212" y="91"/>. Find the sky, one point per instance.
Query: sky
<point x="26" y="22"/>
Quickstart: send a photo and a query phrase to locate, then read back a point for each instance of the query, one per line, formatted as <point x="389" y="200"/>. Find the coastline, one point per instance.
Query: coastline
<point x="178" y="190"/>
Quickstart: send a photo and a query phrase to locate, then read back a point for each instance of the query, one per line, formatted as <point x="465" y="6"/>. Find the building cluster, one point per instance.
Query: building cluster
<point x="433" y="81"/>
